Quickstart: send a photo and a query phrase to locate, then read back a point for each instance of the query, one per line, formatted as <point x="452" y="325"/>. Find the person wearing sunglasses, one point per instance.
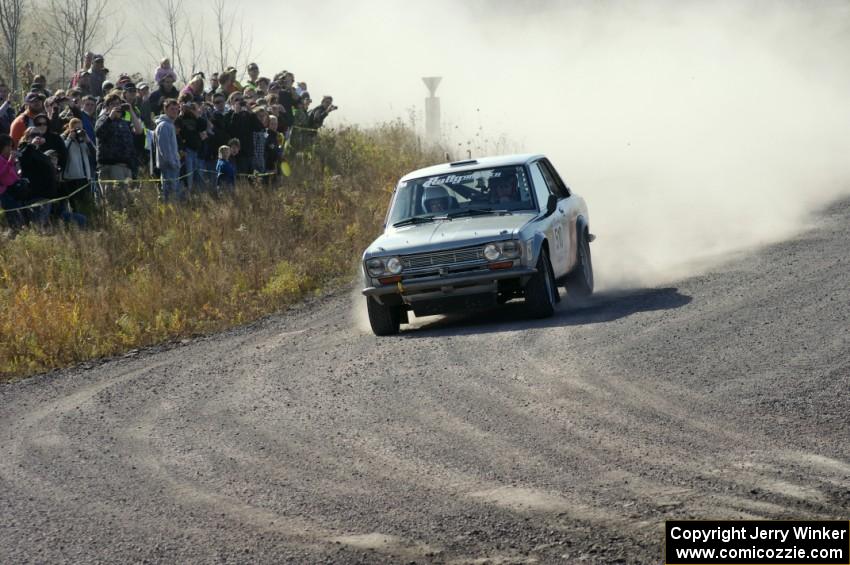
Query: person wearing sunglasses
<point x="52" y="140"/>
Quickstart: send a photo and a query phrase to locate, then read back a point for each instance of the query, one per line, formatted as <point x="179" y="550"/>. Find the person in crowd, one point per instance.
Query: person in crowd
<point x="89" y="116"/>
<point x="300" y="129"/>
<point x="33" y="106"/>
<point x="228" y="81"/>
<point x="217" y="119"/>
<point x="39" y="84"/>
<point x="253" y="75"/>
<point x="7" y="109"/>
<point x="249" y="95"/>
<point x="54" y="106"/>
<point x="116" y="151"/>
<point x="38" y="169"/>
<point x="258" y="160"/>
<point x="195" y="88"/>
<point x="225" y="172"/>
<point x="273" y="146"/>
<point x="165" y="91"/>
<point x="263" y="85"/>
<point x="84" y="83"/>
<point x="52" y="141"/>
<point x="318" y="114"/>
<point x="97" y="76"/>
<point x="242" y="124"/>
<point x="288" y="99"/>
<point x="87" y="61"/>
<point x="213" y="88"/>
<point x="190" y="139"/>
<point x="132" y="114"/>
<point x="167" y="152"/>
<point x="10" y="198"/>
<point x="78" y="172"/>
<point x="164" y="70"/>
<point x="144" y="102"/>
<point x="62" y="209"/>
<point x="235" y="148"/>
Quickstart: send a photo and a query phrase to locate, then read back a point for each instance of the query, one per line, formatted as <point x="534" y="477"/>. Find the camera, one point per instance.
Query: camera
<point x="125" y="107"/>
<point x="78" y="132"/>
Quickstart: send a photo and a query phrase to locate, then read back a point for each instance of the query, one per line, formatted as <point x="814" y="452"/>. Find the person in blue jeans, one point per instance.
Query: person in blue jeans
<point x="225" y="177"/>
<point x="167" y="153"/>
<point x="192" y="133"/>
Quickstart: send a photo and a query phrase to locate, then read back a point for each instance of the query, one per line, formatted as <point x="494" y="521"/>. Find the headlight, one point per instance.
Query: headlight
<point x="492" y="252"/>
<point x="511" y="249"/>
<point x="375" y="267"/>
<point x="394" y="265"/>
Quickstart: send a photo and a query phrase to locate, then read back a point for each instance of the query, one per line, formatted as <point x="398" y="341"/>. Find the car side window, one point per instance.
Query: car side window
<point x="554" y="188"/>
<point x="541" y="189"/>
<point x="563" y="191"/>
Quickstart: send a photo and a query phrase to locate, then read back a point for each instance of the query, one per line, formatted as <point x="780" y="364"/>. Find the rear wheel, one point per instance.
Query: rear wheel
<point x="540" y="292"/>
<point x="579" y="284"/>
<point x="384" y="319"/>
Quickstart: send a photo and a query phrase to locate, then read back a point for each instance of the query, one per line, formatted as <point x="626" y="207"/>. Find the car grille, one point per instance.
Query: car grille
<point x="454" y="259"/>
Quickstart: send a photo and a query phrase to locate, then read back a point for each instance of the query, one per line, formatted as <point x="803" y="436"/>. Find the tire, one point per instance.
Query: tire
<point x="385" y="320"/>
<point x="541" y="291"/>
<point x="579" y="283"/>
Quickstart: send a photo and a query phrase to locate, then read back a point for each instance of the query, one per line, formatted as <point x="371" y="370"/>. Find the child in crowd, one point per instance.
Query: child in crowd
<point x="225" y="178"/>
<point x="163" y="70"/>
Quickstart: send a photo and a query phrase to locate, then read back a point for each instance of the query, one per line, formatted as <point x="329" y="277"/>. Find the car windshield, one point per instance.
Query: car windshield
<point x="463" y="193"/>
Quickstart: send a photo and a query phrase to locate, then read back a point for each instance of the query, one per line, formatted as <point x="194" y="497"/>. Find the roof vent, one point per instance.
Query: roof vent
<point x="462" y="163"/>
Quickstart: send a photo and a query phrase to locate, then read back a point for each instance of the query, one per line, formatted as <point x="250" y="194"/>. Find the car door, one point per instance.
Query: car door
<point x="556" y="224"/>
<point x="567" y="208"/>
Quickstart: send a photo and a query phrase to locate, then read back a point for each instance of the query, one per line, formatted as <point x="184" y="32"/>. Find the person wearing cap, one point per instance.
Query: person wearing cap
<point x="98" y="76"/>
<point x="143" y="98"/>
<point x="133" y="115"/>
<point x="253" y="74"/>
<point x="33" y="106"/>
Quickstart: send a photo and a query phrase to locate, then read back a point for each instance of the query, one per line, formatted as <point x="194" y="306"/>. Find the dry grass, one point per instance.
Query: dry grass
<point x="156" y="272"/>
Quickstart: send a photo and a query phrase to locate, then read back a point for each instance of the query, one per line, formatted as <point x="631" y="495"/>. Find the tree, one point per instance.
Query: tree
<point x="11" y="18"/>
<point x="73" y="28"/>
<point x="232" y="41"/>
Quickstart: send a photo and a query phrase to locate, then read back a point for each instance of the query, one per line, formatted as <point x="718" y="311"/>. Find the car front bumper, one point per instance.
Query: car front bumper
<point x="436" y="287"/>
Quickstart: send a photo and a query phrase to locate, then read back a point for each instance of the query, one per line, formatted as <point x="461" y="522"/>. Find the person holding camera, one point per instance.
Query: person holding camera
<point x="116" y="151"/>
<point x="242" y="124"/>
<point x="78" y="171"/>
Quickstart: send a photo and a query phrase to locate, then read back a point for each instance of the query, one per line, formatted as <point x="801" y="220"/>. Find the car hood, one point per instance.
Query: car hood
<point x="446" y="234"/>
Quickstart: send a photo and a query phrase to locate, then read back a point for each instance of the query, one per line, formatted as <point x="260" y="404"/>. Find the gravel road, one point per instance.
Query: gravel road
<point x="485" y="439"/>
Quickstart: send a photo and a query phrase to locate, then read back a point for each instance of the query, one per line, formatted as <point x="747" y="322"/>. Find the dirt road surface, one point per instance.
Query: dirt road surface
<point x="484" y="439"/>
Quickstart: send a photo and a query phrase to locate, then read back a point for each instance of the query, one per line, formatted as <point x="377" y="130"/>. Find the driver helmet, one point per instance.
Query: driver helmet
<point x="435" y="199"/>
<point x="504" y="187"/>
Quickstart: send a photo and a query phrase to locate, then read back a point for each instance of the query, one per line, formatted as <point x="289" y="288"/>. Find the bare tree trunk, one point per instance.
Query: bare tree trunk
<point x="11" y="16"/>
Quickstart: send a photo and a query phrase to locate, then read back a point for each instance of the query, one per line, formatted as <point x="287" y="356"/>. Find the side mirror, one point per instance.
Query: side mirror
<point x="551" y="204"/>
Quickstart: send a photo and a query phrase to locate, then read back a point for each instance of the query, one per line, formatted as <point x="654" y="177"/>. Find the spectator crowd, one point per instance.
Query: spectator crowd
<point x="82" y="147"/>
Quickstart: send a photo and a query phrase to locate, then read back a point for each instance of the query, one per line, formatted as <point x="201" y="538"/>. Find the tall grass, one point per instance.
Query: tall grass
<point x="154" y="272"/>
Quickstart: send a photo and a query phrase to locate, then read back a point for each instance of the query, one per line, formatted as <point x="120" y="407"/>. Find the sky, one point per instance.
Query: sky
<point x="693" y="129"/>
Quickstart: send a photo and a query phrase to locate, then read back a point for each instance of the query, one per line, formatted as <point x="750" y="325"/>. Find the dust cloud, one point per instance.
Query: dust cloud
<point x="693" y="129"/>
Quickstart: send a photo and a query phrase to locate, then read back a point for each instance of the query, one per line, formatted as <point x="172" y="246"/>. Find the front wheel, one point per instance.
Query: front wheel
<point x="540" y="291"/>
<point x="579" y="284"/>
<point x="384" y="319"/>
